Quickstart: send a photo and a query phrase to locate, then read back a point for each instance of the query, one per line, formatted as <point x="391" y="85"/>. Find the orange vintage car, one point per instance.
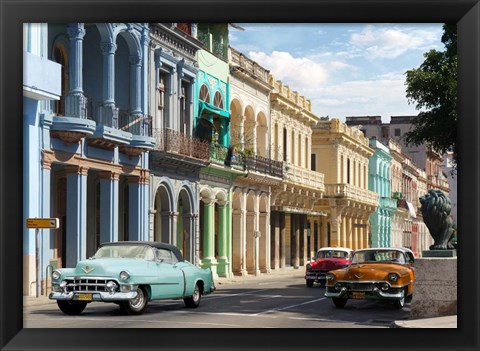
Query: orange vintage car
<point x="375" y="273"/>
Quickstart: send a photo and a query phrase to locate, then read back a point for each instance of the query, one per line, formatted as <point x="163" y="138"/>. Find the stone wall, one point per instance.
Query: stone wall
<point x="435" y="287"/>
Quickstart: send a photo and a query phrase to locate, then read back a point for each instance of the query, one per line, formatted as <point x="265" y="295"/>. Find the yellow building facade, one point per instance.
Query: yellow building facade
<point x="295" y="224"/>
<point x="342" y="154"/>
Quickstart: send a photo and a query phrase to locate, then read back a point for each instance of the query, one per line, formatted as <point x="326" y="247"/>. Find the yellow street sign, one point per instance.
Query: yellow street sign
<point x="48" y="223"/>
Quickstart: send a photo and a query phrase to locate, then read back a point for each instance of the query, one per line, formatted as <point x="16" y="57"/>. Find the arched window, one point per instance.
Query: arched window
<point x="204" y="93"/>
<point x="218" y="100"/>
<point x="60" y="56"/>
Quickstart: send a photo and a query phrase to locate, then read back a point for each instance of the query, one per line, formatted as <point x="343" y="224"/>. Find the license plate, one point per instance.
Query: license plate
<point x="84" y="297"/>
<point x="358" y="295"/>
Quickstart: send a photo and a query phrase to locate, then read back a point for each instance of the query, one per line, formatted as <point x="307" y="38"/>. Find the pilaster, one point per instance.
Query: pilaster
<point x="76" y="231"/>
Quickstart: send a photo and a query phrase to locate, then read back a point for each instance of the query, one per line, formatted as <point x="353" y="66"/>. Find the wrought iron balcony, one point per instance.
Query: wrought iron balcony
<point x="136" y="124"/>
<point x="264" y="165"/>
<point x="218" y="154"/>
<point x="174" y="142"/>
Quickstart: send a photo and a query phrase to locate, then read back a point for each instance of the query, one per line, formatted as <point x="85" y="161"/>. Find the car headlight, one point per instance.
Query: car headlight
<point x="308" y="266"/>
<point x="393" y="277"/>
<point x="124" y="276"/>
<point x="56" y="275"/>
<point x="330" y="277"/>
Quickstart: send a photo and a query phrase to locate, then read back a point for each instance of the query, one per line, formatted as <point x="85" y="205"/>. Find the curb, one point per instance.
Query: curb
<point x="436" y="322"/>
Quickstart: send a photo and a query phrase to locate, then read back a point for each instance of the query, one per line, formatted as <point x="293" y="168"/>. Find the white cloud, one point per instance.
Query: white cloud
<point x="300" y="73"/>
<point x="297" y="71"/>
<point x="388" y="42"/>
<point x="382" y="95"/>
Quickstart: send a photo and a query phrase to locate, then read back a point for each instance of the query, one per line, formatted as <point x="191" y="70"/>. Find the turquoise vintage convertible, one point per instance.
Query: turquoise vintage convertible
<point x="130" y="273"/>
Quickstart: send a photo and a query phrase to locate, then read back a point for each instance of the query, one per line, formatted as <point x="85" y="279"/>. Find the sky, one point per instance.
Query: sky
<point x="344" y="69"/>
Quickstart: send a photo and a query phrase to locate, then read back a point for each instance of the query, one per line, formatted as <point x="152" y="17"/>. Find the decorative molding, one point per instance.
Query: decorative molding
<point x="76" y="170"/>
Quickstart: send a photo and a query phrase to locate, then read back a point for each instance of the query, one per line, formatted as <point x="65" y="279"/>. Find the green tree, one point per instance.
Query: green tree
<point x="433" y="87"/>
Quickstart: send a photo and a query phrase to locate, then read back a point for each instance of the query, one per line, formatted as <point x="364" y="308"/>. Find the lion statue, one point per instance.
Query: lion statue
<point x="436" y="215"/>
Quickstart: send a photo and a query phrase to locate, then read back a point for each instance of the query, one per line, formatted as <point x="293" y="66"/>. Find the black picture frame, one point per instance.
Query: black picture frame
<point x="466" y="13"/>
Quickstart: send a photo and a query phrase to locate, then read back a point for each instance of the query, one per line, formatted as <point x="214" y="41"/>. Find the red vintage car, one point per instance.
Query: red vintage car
<point x="326" y="259"/>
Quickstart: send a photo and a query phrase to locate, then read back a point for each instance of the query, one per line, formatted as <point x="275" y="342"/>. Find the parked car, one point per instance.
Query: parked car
<point x="130" y="273"/>
<point x="375" y="273"/>
<point x="325" y="260"/>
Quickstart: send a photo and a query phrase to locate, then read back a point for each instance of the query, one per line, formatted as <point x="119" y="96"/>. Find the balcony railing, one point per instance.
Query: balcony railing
<point x="304" y="176"/>
<point x="78" y="106"/>
<point x="137" y="124"/>
<point x="387" y="202"/>
<point x="218" y="154"/>
<point x="172" y="141"/>
<point x="353" y="192"/>
<point x="264" y="165"/>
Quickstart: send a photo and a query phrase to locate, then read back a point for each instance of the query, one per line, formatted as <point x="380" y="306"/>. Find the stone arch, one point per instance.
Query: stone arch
<point x="262" y="134"/>
<point x="60" y="53"/>
<point x="236" y="122"/>
<point x="249" y="127"/>
<point x="186" y="222"/>
<point x="163" y="206"/>
<point x="132" y="40"/>
<point x="221" y="195"/>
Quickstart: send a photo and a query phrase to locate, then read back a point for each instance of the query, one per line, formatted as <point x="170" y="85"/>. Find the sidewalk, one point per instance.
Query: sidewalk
<point x="437" y="322"/>
<point x="35" y="301"/>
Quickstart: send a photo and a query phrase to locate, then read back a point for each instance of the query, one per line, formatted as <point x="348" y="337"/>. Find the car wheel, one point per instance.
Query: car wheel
<point x="71" y="307"/>
<point x="194" y="300"/>
<point x="399" y="303"/>
<point x="339" y="303"/>
<point x="138" y="304"/>
<point x="309" y="283"/>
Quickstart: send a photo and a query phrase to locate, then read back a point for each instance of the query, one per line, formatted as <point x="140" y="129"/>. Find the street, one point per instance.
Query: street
<point x="267" y="301"/>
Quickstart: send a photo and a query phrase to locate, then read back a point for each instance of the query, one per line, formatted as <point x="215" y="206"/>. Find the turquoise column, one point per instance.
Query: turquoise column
<point x="223" y="263"/>
<point x="109" y="201"/>
<point x="229" y="233"/>
<point x="208" y="259"/>
<point x="76" y="214"/>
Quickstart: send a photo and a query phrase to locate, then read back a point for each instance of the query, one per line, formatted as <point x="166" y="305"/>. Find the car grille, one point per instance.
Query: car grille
<point x="319" y="270"/>
<point x="358" y="286"/>
<point x="82" y="284"/>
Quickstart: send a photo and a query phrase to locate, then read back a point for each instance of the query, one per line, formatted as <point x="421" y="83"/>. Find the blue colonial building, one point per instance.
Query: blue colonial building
<point x="379" y="182"/>
<point x="177" y="158"/>
<point x="86" y="138"/>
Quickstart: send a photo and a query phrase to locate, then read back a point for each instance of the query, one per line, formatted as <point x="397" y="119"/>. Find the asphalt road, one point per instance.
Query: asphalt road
<point x="281" y="301"/>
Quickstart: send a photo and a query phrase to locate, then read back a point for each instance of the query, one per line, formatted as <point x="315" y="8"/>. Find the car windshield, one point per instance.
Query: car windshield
<point x="372" y="256"/>
<point x="125" y="251"/>
<point x="332" y="254"/>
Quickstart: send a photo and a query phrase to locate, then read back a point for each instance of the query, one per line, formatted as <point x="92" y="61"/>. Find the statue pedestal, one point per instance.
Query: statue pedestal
<point x="435" y="287"/>
<point x="439" y="253"/>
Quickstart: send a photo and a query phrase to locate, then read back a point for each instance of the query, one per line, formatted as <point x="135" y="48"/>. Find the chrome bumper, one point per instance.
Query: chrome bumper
<point x="96" y="296"/>
<point x="343" y="293"/>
